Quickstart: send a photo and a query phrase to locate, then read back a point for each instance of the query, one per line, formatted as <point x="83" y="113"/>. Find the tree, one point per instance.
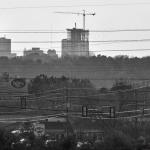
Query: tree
<point x="6" y="139"/>
<point x="103" y="90"/>
<point x="121" y="85"/>
<point x="39" y="84"/>
<point x="42" y="83"/>
<point x="118" y="141"/>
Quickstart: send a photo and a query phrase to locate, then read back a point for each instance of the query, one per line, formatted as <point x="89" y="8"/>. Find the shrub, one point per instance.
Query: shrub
<point x="118" y="141"/>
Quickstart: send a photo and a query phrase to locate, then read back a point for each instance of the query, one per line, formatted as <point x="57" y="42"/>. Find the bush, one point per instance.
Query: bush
<point x="6" y="139"/>
<point x="68" y="144"/>
<point x="118" y="141"/>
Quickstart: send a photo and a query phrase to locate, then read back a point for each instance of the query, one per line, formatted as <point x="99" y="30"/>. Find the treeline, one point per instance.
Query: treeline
<point x="101" y="70"/>
<point x="42" y="83"/>
<point x="101" y="60"/>
<point x="80" y="91"/>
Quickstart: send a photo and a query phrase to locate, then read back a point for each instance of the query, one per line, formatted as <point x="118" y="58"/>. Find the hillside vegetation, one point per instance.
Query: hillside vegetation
<point x="101" y="70"/>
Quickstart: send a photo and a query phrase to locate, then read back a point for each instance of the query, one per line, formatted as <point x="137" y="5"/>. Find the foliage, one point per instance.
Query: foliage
<point x="6" y="139"/>
<point x="68" y="143"/>
<point x="114" y="140"/>
<point x="93" y="68"/>
<point x="118" y="141"/>
<point x="103" y="90"/>
<point x="121" y="85"/>
<point x="42" y="83"/>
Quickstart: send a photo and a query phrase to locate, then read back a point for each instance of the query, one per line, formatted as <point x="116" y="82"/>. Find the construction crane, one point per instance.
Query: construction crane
<point x="83" y="14"/>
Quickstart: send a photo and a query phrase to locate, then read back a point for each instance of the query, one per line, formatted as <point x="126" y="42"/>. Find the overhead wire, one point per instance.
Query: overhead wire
<point x="80" y="5"/>
<point x="63" y="31"/>
<point x="94" y="41"/>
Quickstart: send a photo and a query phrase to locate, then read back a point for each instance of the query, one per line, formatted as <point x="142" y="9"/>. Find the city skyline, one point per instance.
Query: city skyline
<point x="34" y="16"/>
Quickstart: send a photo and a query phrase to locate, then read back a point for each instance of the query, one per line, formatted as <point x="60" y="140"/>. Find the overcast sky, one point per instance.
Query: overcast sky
<point x="110" y="15"/>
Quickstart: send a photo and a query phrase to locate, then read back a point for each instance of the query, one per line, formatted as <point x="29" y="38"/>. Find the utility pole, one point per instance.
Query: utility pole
<point x="136" y="119"/>
<point x="66" y="100"/>
<point x="23" y="102"/>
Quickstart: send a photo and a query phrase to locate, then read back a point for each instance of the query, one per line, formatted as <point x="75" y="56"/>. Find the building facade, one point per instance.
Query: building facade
<point x="36" y="54"/>
<point x="5" y="48"/>
<point x="33" y="51"/>
<point x="76" y="44"/>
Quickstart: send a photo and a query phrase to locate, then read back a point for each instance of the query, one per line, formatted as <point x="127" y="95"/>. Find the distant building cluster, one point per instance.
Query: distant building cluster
<point x="76" y="44"/>
<point x="37" y="54"/>
<point x="35" y="51"/>
<point x="5" y="48"/>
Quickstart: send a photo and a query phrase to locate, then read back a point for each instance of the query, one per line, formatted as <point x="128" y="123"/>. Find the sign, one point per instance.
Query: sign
<point x="39" y="129"/>
<point x="18" y="83"/>
<point x="94" y="112"/>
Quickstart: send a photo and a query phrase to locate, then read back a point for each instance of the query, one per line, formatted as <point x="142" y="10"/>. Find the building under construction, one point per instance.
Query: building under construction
<point x="76" y="44"/>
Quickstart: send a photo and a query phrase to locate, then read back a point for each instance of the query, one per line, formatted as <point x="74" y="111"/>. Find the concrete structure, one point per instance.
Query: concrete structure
<point x="76" y="44"/>
<point x="5" y="48"/>
<point x="36" y="54"/>
<point x="34" y="51"/>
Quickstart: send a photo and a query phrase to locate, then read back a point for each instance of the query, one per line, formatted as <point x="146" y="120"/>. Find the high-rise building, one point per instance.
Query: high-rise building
<point x="5" y="47"/>
<point x="76" y="44"/>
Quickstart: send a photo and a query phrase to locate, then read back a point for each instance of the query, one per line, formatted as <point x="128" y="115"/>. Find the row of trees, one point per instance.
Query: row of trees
<point x="100" y="59"/>
<point x="42" y="83"/>
<point x="81" y="91"/>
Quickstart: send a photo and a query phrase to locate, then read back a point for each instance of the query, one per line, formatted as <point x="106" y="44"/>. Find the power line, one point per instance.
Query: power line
<point x="34" y="32"/>
<point x="106" y="50"/>
<point x="121" y="30"/>
<point x="62" y="31"/>
<point x="96" y="41"/>
<point x="80" y="5"/>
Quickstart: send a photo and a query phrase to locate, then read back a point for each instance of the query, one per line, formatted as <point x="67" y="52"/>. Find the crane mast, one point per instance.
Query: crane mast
<point x="84" y="14"/>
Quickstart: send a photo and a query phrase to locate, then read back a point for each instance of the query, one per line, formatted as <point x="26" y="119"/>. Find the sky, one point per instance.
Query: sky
<point x="40" y="15"/>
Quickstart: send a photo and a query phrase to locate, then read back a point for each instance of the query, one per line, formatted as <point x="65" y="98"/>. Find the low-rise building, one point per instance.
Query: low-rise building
<point x="36" y="54"/>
